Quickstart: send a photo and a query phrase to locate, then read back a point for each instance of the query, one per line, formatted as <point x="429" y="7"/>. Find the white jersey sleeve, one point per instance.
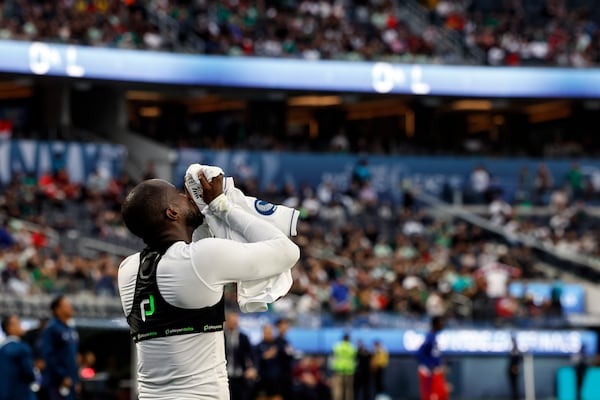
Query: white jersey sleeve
<point x="268" y="251"/>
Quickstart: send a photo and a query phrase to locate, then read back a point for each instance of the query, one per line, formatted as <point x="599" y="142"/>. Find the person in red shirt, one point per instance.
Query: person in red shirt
<point x="309" y="382"/>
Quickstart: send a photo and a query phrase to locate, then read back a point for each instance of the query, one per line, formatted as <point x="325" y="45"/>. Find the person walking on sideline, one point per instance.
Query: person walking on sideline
<point x="432" y="381"/>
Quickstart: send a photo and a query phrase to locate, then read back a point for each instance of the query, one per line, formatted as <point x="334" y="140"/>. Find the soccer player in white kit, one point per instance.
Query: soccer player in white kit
<point x="172" y="291"/>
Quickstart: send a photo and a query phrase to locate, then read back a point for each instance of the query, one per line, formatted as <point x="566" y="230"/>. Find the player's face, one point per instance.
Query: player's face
<point x="193" y="216"/>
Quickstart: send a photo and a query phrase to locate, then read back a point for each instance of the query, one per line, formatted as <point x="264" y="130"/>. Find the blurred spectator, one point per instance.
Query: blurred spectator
<point x="480" y="183"/>
<point x="16" y="362"/>
<point x="340" y="142"/>
<point x="285" y="358"/>
<point x="435" y="304"/>
<point x="580" y="363"/>
<point x="98" y="182"/>
<point x="241" y="370"/>
<point x="13" y="278"/>
<point x="310" y="384"/>
<point x="543" y="183"/>
<point x="34" y="338"/>
<point x="269" y="385"/>
<point x="59" y="348"/>
<point x="362" y="376"/>
<point x="497" y="276"/>
<point x="6" y="239"/>
<point x="341" y="297"/>
<point x="500" y="210"/>
<point x="575" y="181"/>
<point x="379" y="364"/>
<point x="432" y="380"/>
<point x="106" y="285"/>
<point x="515" y="359"/>
<point x="361" y="173"/>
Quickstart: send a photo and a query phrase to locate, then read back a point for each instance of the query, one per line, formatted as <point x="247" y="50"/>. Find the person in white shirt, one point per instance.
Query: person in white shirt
<point x="172" y="291"/>
<point x="480" y="182"/>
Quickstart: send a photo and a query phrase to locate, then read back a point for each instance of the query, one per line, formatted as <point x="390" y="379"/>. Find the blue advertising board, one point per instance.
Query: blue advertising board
<point x="387" y="173"/>
<point x="572" y="296"/>
<point x="451" y="341"/>
<point x="48" y="59"/>
<point x="79" y="159"/>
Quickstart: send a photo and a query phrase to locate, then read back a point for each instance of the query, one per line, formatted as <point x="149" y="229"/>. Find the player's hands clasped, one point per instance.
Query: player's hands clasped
<point x="211" y="189"/>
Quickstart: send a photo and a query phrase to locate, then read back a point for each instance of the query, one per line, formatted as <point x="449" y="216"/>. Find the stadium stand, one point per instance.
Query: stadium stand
<point x="377" y="257"/>
<point x="310" y="30"/>
<point x="541" y="32"/>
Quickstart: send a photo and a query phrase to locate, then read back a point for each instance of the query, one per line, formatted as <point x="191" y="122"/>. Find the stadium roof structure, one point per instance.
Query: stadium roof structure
<point x="150" y="67"/>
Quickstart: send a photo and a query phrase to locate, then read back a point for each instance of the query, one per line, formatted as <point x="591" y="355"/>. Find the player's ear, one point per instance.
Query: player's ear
<point x="171" y="213"/>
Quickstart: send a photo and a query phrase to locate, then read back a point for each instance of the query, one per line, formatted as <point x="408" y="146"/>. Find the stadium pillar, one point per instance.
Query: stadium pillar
<point x="267" y="118"/>
<point x="528" y="370"/>
<point x="99" y="109"/>
<point x="53" y="108"/>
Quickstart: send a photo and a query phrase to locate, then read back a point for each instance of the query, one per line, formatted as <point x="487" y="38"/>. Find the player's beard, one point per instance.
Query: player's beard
<point x="194" y="218"/>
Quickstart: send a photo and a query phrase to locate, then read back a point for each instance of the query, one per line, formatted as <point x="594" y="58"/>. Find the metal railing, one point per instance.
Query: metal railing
<point x="104" y="312"/>
<point x="86" y="305"/>
<point x="417" y="16"/>
<point x="169" y="28"/>
<point x="51" y="235"/>
<point x="91" y="246"/>
<point x="581" y="265"/>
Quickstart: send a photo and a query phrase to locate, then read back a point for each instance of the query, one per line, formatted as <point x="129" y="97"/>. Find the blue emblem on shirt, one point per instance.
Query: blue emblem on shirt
<point x="264" y="207"/>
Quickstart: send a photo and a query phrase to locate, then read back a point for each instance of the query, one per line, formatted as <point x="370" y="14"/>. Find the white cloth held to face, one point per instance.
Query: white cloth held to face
<point x="255" y="295"/>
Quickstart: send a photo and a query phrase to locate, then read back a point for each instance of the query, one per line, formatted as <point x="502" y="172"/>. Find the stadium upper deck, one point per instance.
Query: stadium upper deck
<point x="541" y="32"/>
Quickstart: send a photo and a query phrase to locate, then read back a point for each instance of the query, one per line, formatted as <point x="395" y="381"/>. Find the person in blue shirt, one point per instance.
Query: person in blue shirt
<point x="16" y="363"/>
<point x="428" y="354"/>
<point x="59" y="346"/>
<point x="6" y="239"/>
<point x="431" y="373"/>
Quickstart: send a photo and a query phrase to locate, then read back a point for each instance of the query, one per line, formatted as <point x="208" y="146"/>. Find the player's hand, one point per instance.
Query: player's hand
<point x="211" y="190"/>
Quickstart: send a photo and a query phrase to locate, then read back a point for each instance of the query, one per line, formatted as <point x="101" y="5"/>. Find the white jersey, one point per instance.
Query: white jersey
<point x="193" y="366"/>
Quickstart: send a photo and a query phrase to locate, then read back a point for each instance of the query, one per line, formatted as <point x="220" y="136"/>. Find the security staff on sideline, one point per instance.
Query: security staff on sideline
<point x="344" y="366"/>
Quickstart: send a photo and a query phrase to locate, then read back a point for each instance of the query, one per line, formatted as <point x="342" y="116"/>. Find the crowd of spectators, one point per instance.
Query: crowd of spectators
<point x="30" y="261"/>
<point x="304" y="29"/>
<point x="361" y="256"/>
<point x="514" y="32"/>
<point x="518" y="32"/>
<point x="567" y="227"/>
